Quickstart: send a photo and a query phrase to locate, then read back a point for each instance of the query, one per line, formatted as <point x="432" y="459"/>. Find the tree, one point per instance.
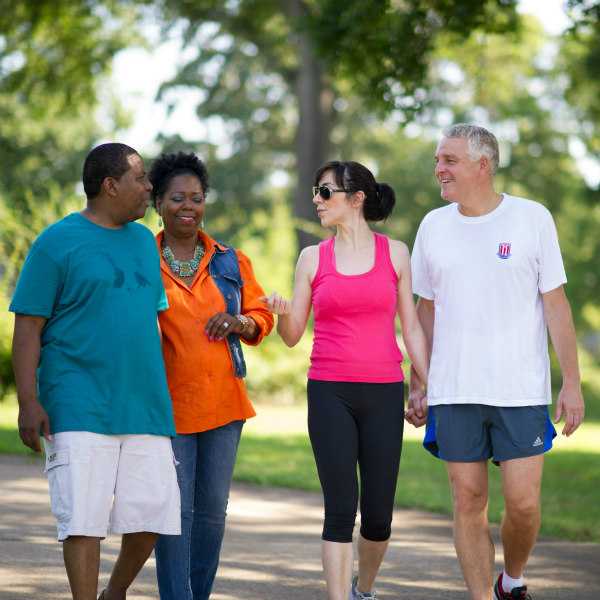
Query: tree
<point x="275" y="72"/>
<point x="490" y="79"/>
<point x="53" y="57"/>
<point x="579" y="60"/>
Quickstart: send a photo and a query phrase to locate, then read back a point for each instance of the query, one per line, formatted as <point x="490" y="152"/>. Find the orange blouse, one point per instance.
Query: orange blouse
<point x="204" y="390"/>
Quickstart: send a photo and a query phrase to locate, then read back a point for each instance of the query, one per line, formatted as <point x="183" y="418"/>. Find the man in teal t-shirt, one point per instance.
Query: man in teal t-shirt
<point x="90" y="374"/>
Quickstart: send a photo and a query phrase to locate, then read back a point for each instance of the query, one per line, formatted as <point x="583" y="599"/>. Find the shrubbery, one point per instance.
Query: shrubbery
<point x="6" y="326"/>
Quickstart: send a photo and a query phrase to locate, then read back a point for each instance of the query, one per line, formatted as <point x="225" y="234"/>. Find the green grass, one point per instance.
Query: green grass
<point x="10" y="443"/>
<point x="592" y="402"/>
<point x="570" y="498"/>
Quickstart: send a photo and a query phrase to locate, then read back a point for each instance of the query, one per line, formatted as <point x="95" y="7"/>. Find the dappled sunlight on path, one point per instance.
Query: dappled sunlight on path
<point x="271" y="550"/>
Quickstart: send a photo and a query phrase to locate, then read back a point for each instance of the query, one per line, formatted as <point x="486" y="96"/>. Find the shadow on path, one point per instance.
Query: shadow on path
<point x="271" y="550"/>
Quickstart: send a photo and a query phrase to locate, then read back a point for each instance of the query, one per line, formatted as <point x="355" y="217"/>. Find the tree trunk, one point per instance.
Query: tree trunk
<point x="315" y="101"/>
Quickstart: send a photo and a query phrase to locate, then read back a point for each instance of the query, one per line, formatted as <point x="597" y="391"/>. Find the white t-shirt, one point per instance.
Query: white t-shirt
<point x="485" y="276"/>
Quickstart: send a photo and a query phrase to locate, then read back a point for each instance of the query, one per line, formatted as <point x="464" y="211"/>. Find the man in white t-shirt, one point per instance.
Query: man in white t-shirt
<point x="489" y="273"/>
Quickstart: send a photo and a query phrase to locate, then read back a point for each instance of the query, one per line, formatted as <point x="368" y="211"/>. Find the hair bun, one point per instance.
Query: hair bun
<point x="386" y="199"/>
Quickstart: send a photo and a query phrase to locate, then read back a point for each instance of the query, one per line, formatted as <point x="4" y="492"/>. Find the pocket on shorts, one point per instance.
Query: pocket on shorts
<point x="59" y="477"/>
<point x="147" y="493"/>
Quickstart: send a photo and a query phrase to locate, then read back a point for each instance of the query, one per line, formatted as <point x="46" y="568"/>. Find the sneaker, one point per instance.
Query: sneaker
<point x="356" y="595"/>
<point x="518" y="593"/>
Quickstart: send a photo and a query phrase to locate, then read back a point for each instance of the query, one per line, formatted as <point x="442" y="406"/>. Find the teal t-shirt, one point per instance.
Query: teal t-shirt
<point x="101" y="366"/>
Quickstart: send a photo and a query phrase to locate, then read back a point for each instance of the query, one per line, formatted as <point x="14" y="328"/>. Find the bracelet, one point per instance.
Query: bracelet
<point x="244" y="322"/>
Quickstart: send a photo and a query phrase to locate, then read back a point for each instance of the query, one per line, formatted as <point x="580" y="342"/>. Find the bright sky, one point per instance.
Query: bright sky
<point x="138" y="74"/>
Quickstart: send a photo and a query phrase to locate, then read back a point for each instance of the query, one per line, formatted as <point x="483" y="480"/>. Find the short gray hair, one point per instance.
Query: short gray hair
<point x="481" y="142"/>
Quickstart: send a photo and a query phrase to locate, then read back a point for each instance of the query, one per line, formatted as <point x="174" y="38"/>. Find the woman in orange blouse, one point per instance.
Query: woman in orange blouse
<point x="213" y="304"/>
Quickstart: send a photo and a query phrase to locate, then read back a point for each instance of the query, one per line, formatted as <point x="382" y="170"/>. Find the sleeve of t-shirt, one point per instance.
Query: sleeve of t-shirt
<point x="163" y="303"/>
<point x="38" y="286"/>
<point x="551" y="269"/>
<point x="421" y="281"/>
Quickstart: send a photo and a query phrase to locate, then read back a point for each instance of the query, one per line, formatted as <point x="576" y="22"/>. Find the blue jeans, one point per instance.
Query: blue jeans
<point x="186" y="564"/>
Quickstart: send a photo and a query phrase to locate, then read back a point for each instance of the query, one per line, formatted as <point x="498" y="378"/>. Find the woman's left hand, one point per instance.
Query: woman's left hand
<point x="221" y="325"/>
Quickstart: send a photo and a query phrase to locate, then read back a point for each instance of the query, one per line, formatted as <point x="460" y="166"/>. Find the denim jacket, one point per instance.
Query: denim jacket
<point x="224" y="268"/>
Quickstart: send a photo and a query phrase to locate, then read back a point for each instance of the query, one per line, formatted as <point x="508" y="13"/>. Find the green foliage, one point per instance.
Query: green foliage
<point x="60" y="48"/>
<point x="6" y="327"/>
<point x="590" y="379"/>
<point x="384" y="48"/>
<point x="241" y="94"/>
<point x="275" y="372"/>
<point x="54" y="57"/>
<point x="10" y="443"/>
<point x="53" y="60"/>
<point x="17" y="235"/>
<point x="577" y="69"/>
<point x="579" y="61"/>
<point x="249" y="61"/>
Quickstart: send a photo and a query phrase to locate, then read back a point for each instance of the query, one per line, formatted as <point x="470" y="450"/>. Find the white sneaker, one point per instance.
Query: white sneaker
<point x="356" y="595"/>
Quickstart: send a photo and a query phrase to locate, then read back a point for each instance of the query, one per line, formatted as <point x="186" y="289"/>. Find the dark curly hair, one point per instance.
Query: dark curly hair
<point x="167" y="166"/>
<point x="354" y="177"/>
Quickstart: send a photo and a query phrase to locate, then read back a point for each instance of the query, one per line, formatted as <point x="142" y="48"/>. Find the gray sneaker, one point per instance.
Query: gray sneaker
<point x="356" y="595"/>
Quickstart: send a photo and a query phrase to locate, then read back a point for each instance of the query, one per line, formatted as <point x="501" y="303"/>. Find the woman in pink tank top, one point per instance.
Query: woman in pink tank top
<point x="356" y="282"/>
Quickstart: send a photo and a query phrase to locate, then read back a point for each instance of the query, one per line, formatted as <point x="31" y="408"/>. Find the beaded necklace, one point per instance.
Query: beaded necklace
<point x="183" y="268"/>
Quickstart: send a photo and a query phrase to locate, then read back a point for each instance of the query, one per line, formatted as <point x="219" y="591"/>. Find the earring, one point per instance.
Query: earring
<point x="202" y="224"/>
<point x="160" y="223"/>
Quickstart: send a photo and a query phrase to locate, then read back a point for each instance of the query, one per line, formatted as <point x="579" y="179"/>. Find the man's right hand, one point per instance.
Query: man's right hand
<point x="33" y="419"/>
<point x="416" y="413"/>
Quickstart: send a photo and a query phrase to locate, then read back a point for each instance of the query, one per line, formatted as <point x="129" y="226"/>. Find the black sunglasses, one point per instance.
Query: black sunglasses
<point x="324" y="191"/>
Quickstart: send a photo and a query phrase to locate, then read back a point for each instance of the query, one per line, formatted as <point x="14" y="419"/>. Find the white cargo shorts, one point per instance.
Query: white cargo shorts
<point x="112" y="483"/>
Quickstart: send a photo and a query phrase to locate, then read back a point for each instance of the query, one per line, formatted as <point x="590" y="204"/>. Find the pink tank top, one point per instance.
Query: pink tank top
<point x="355" y="337"/>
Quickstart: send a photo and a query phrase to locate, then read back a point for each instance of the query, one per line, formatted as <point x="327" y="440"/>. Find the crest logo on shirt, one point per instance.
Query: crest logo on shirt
<point x="503" y="250"/>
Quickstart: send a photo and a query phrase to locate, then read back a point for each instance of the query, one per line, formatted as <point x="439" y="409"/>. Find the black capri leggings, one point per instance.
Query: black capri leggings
<point x="356" y="423"/>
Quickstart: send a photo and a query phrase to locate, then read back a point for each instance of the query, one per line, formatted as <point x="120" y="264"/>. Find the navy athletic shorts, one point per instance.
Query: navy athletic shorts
<point x="476" y="432"/>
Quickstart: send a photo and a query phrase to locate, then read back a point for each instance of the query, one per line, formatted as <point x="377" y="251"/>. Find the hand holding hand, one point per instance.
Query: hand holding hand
<point x="416" y="413"/>
<point x="277" y="304"/>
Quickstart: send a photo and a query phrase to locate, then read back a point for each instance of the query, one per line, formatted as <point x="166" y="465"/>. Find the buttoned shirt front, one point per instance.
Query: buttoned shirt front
<point x="202" y="383"/>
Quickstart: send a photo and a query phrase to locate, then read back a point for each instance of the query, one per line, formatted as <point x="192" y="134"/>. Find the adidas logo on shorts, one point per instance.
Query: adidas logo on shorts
<point x="538" y="442"/>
